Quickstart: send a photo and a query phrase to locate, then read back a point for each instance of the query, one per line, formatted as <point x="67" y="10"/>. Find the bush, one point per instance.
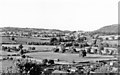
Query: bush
<point x="51" y="62"/>
<point x="23" y="56"/>
<point x="14" y="48"/>
<point x="9" y="49"/>
<point x="31" y="48"/>
<point x="4" y="48"/>
<point x="45" y="61"/>
<point x="20" y="46"/>
<point x="56" y="50"/>
<point x="106" y="44"/>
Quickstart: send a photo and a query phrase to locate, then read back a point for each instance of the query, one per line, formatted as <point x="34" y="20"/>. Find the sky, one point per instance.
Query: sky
<point x="86" y="15"/>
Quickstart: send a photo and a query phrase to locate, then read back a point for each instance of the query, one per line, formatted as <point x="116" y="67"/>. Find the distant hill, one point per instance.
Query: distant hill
<point x="15" y="29"/>
<point x="110" y="29"/>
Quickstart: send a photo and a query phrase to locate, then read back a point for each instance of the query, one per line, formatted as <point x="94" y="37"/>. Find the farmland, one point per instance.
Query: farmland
<point x="38" y="47"/>
<point x="71" y="48"/>
<point x="112" y="41"/>
<point x="66" y="57"/>
<point x="23" y="40"/>
<point x="4" y="66"/>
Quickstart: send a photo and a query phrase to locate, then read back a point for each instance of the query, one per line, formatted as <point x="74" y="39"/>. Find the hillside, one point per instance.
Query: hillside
<point x="15" y="29"/>
<point x="29" y="32"/>
<point x="110" y="29"/>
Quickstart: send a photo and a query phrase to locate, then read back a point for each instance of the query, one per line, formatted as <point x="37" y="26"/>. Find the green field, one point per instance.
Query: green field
<point x="38" y="47"/>
<point x="64" y="57"/>
<point x="67" y="57"/>
<point x="112" y="41"/>
<point x="7" y="64"/>
<point x="23" y="40"/>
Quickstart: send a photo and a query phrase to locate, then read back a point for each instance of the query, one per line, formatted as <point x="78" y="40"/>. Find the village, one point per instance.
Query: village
<point x="58" y="52"/>
<point x="59" y="37"/>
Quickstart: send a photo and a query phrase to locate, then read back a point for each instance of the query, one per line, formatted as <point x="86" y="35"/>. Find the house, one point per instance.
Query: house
<point x="58" y="72"/>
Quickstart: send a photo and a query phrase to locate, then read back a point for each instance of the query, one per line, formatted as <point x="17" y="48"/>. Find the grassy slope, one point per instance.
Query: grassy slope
<point x="109" y="29"/>
<point x="22" y="40"/>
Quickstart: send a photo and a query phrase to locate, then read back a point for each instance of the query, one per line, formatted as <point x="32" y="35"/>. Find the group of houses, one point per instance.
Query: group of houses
<point x="110" y="37"/>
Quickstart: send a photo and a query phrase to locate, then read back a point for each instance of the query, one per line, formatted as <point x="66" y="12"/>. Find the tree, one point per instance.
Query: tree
<point x="33" y="48"/>
<point x="14" y="48"/>
<point x="82" y="53"/>
<point x="72" y="38"/>
<point x="100" y="47"/>
<point x="118" y="38"/>
<point x="45" y="61"/>
<point x="61" y="39"/>
<point x="53" y="41"/>
<point x="113" y="38"/>
<point x="21" y="52"/>
<point x="8" y="49"/>
<point x="51" y="62"/>
<point x="4" y="48"/>
<point x="94" y="41"/>
<point x="89" y="50"/>
<point x="107" y="51"/>
<point x="13" y="38"/>
<point x="56" y="49"/>
<point x="80" y="39"/>
<point x="20" y="46"/>
<point x="96" y="36"/>
<point x="106" y="38"/>
<point x="106" y="44"/>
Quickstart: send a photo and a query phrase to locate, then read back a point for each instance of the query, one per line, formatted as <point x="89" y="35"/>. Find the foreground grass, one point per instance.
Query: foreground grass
<point x="7" y="65"/>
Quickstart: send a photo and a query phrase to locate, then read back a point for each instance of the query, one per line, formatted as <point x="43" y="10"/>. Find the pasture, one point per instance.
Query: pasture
<point x="63" y="57"/>
<point x="7" y="64"/>
<point x="67" y="57"/>
<point x="38" y="47"/>
<point x="23" y="40"/>
<point x="112" y="41"/>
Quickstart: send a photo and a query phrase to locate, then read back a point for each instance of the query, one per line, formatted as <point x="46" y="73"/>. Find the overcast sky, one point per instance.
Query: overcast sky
<point x="76" y="15"/>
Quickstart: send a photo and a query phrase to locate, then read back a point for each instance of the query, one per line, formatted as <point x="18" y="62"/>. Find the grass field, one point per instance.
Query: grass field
<point x="69" y="57"/>
<point x="62" y="56"/>
<point x="112" y="41"/>
<point x="6" y="64"/>
<point x="23" y="40"/>
<point x="38" y="47"/>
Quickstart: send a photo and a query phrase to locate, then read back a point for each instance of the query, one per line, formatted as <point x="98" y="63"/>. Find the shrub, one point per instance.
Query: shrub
<point x="51" y="62"/>
<point x="8" y="49"/>
<point x="4" y="48"/>
<point x="31" y="48"/>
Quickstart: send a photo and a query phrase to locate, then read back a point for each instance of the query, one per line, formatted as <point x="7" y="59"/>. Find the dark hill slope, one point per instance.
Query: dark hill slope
<point x="111" y="29"/>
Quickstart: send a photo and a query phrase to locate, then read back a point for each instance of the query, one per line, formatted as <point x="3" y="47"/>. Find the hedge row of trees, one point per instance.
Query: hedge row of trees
<point x="56" y="41"/>
<point x="9" y="49"/>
